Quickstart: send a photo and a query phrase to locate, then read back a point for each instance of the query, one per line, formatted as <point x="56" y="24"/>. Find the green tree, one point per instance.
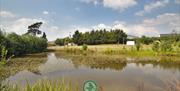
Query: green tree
<point x="77" y="38"/>
<point x="34" y="28"/>
<point x="44" y="35"/>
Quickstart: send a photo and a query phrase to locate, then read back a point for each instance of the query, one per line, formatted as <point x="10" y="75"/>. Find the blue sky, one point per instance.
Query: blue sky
<point x="63" y="17"/>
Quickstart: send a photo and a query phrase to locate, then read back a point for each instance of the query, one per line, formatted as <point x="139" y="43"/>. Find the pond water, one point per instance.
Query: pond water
<point x="111" y="73"/>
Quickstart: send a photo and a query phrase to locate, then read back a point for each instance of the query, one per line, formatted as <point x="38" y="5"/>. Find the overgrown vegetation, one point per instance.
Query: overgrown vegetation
<point x="63" y="41"/>
<point x="3" y="55"/>
<point x="14" y="44"/>
<point x="84" y="47"/>
<point x="45" y="85"/>
<point x="156" y="46"/>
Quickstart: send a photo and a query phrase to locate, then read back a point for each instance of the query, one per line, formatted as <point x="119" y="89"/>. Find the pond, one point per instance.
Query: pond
<point x="110" y="72"/>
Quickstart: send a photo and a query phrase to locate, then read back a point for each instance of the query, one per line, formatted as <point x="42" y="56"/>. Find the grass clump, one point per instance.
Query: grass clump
<point x="84" y="47"/>
<point x="45" y="85"/>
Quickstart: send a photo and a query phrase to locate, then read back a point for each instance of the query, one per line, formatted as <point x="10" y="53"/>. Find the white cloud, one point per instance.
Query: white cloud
<point x="154" y="5"/>
<point x="6" y="14"/>
<point x="170" y="20"/>
<point x="101" y="26"/>
<point x="45" y="12"/>
<point x="137" y="30"/>
<point x="20" y="26"/>
<point x="119" y="4"/>
<point x="95" y="2"/>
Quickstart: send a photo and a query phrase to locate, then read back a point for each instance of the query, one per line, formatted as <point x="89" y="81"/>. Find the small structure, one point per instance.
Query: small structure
<point x="71" y="44"/>
<point x="132" y="43"/>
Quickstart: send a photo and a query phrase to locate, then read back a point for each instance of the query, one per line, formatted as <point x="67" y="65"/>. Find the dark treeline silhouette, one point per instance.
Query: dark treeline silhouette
<point x="23" y="44"/>
<point x="96" y="37"/>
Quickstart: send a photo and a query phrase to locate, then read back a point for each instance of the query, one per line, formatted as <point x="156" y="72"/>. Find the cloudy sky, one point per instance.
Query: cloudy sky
<point x="63" y="17"/>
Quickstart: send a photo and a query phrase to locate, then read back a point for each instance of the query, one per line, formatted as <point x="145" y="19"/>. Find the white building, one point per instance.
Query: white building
<point x="132" y="43"/>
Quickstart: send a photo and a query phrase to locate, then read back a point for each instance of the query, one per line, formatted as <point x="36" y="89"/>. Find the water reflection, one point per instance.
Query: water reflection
<point x="119" y="62"/>
<point x="112" y="73"/>
<point x="30" y="63"/>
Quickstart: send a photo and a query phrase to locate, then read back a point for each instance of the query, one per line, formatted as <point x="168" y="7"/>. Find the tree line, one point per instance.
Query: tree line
<point x="95" y="37"/>
<point x="23" y="44"/>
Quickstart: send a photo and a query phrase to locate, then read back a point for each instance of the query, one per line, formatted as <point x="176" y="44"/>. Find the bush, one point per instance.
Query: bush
<point x="166" y="46"/>
<point x="138" y="45"/>
<point x="84" y="47"/>
<point x="22" y="44"/>
<point x="156" y="46"/>
<point x="59" y="42"/>
<point x="3" y="55"/>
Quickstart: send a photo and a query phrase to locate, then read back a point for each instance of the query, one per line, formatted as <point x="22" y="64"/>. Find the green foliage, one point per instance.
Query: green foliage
<point x="34" y="28"/>
<point x="100" y="37"/>
<point x="166" y="46"/>
<point x="84" y="47"/>
<point x="63" y="41"/>
<point x="156" y="46"/>
<point x="22" y="44"/>
<point x="78" y="38"/>
<point x="147" y="40"/>
<point x="45" y="85"/>
<point x="44" y="36"/>
<point x="3" y="55"/>
<point x="138" y="45"/>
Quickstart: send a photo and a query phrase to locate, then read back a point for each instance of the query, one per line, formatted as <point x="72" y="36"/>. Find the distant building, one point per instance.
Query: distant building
<point x="71" y="44"/>
<point x="132" y="43"/>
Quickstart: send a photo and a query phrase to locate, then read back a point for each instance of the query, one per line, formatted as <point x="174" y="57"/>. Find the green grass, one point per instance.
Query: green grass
<point x="44" y="85"/>
<point x="145" y="50"/>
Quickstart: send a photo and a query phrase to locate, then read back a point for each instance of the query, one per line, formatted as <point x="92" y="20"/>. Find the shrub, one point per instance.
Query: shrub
<point x="84" y="47"/>
<point x="44" y="85"/>
<point x="3" y="52"/>
<point x="59" y="42"/>
<point x="156" y="46"/>
<point x="138" y="45"/>
<point x="22" y="44"/>
<point x="166" y="46"/>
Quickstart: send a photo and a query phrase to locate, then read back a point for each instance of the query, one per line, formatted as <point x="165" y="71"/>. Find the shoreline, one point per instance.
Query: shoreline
<point x="114" y="49"/>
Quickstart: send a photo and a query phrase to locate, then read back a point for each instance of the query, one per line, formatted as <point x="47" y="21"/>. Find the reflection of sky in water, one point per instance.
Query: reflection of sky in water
<point x="128" y="78"/>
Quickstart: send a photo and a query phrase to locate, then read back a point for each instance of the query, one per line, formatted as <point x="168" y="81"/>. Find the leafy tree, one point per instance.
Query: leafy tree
<point x="44" y="35"/>
<point x="34" y="29"/>
<point x="21" y="44"/>
<point x="63" y="41"/>
<point x="77" y="38"/>
<point x="99" y="37"/>
<point x="146" y="40"/>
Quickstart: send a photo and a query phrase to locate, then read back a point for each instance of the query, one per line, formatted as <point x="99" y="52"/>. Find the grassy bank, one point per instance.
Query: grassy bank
<point x="44" y="85"/>
<point x="112" y="49"/>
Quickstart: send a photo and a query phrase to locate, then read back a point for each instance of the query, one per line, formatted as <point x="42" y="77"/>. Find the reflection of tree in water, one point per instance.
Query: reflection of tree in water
<point x="30" y="63"/>
<point x="96" y="62"/>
